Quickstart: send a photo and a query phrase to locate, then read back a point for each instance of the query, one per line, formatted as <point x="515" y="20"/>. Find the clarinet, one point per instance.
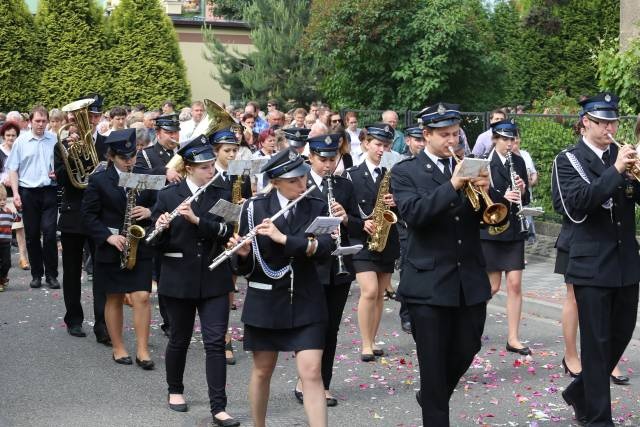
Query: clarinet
<point x="342" y="271"/>
<point x="524" y="225"/>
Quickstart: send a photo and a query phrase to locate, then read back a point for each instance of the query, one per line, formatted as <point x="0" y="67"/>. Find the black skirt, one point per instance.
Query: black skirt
<point x="503" y="256"/>
<point x="110" y="279"/>
<point x="307" y="337"/>
<point x="562" y="260"/>
<point x="378" y="267"/>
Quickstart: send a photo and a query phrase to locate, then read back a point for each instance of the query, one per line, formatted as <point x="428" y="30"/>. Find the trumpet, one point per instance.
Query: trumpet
<point x="632" y="170"/>
<point x="254" y="231"/>
<point x="342" y="271"/>
<point x="494" y="213"/>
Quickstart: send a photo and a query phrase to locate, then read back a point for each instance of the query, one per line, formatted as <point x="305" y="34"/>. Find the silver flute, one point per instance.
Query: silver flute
<point x="342" y="270"/>
<point x="158" y="230"/>
<point x="254" y="231"/>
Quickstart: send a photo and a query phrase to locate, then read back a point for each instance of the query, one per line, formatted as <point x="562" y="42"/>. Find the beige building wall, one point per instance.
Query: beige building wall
<point x="629" y="21"/>
<point x="199" y="70"/>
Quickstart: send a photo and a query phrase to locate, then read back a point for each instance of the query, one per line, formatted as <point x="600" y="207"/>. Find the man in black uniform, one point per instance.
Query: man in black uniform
<point x="604" y="265"/>
<point x="443" y="281"/>
<point x="153" y="161"/>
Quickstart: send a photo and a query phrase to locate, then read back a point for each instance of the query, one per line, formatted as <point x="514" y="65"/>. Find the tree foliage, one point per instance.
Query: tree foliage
<point x="229" y="9"/>
<point x="145" y="59"/>
<point x="276" y="68"/>
<point x="19" y="61"/>
<point x="69" y="34"/>
<point x="618" y="71"/>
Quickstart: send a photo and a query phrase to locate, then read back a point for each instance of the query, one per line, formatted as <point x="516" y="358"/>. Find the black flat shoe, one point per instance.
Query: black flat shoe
<point x="332" y="401"/>
<point x="378" y="352"/>
<point x="178" y="407"/>
<point x="35" y="283"/>
<point x="368" y="357"/>
<point x="580" y="415"/>
<point x="53" y="283"/>
<point x="126" y="360"/>
<point x="104" y="339"/>
<point x="419" y="398"/>
<point x="620" y="379"/>
<point x="567" y="370"/>
<point x="230" y="360"/>
<point x="76" y="331"/>
<point x="524" y="351"/>
<point x="299" y="396"/>
<point x="389" y="295"/>
<point x="147" y="365"/>
<point x="406" y="327"/>
<point x="229" y="422"/>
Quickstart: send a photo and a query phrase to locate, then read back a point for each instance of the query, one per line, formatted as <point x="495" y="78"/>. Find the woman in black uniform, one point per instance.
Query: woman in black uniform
<point x="373" y="269"/>
<point x="104" y="207"/>
<point x="504" y="251"/>
<point x="285" y="308"/>
<point x="187" y="246"/>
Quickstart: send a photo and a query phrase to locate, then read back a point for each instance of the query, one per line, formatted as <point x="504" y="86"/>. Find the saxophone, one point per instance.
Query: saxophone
<point x="132" y="232"/>
<point x="236" y="196"/>
<point x="382" y="217"/>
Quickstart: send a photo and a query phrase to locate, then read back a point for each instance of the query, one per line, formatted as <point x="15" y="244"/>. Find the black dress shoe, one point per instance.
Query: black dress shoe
<point x="419" y="398"/>
<point x="178" y="407"/>
<point x="406" y="326"/>
<point x="103" y="339"/>
<point x="76" y="331"/>
<point x="525" y="351"/>
<point x="35" y="283"/>
<point x="53" y="283"/>
<point x="229" y="422"/>
<point x="578" y="412"/>
<point x="620" y="379"/>
<point x="147" y="365"/>
<point x="126" y="360"/>
<point x="378" y="352"/>
<point x="299" y="396"/>
<point x="567" y="370"/>
<point x="369" y="357"/>
<point x="332" y="401"/>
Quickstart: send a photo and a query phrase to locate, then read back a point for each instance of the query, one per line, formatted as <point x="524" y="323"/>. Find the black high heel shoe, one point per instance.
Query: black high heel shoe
<point x="524" y="351"/>
<point x="567" y="370"/>
<point x="620" y="379"/>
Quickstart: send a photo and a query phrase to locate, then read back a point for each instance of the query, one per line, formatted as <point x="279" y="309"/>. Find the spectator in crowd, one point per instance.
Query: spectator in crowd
<point x="390" y="117"/>
<point x="335" y="122"/>
<point x="313" y="109"/>
<point x="3" y="118"/>
<point x="15" y="116"/>
<point x="56" y="120"/>
<point x="9" y="132"/>
<point x="34" y="192"/>
<point x="149" y="122"/>
<point x="7" y="219"/>
<point x="118" y="116"/>
<point x="272" y="105"/>
<point x="288" y="118"/>
<point x="253" y="108"/>
<point x="135" y="117"/>
<point x="275" y="119"/>
<point x="483" y="143"/>
<point x="324" y="116"/>
<point x="142" y="138"/>
<point x="185" y="115"/>
<point x="168" y="107"/>
<point x="358" y="153"/>
<point x="309" y="120"/>
<point x="351" y="122"/>
<point x="298" y="117"/>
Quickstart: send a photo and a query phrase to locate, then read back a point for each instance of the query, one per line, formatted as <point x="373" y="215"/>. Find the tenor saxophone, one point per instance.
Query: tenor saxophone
<point x="132" y="232"/>
<point x="382" y="217"/>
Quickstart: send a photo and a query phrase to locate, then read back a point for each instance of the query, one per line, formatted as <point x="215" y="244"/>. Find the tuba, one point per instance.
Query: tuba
<point x="383" y="218"/>
<point x="80" y="158"/>
<point x="132" y="232"/>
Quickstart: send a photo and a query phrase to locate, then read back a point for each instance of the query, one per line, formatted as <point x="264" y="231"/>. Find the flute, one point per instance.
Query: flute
<point x="174" y="213"/>
<point x="254" y="231"/>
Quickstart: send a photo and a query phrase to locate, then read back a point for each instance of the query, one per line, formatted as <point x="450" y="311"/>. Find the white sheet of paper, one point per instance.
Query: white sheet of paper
<point x="227" y="210"/>
<point x="531" y="211"/>
<point x="347" y="250"/>
<point x="390" y="158"/>
<point x="472" y="167"/>
<point x="141" y="181"/>
<point x="323" y="225"/>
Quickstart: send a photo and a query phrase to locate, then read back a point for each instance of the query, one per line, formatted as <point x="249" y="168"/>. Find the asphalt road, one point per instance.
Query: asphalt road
<point x="49" y="378"/>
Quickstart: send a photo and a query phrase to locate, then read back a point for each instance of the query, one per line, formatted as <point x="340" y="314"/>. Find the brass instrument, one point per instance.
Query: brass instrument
<point x="80" y="158"/>
<point x="382" y="217"/>
<point x="494" y="213"/>
<point x="132" y="232"/>
<point x="236" y="196"/>
<point x="632" y="170"/>
<point x="524" y="225"/>
<point x="342" y="270"/>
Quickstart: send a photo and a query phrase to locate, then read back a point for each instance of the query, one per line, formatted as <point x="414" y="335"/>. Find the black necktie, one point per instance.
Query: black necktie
<point x="290" y="215"/>
<point x="224" y="175"/>
<point x="325" y="187"/>
<point x="378" y="173"/>
<point x="447" y="167"/>
<point x="606" y="158"/>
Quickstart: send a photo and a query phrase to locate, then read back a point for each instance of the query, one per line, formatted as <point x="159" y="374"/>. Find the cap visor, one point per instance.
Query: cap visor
<point x="325" y="153"/>
<point x="444" y="123"/>
<point x="303" y="169"/>
<point x="604" y="114"/>
<point x="171" y="128"/>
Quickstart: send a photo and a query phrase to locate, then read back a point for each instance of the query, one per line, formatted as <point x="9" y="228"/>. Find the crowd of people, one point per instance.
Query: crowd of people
<point x="404" y="196"/>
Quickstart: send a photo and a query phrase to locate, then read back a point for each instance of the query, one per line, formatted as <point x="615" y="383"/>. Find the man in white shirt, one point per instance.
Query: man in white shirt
<point x="187" y="127"/>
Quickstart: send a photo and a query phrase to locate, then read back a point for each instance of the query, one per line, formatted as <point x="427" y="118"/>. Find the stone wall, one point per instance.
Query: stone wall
<point x="629" y="21"/>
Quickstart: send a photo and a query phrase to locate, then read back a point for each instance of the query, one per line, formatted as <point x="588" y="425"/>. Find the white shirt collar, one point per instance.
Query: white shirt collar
<point x="220" y="170"/>
<point x="192" y="186"/>
<point x="317" y="179"/>
<point x="435" y="159"/>
<point x="371" y="167"/>
<point x="283" y="200"/>
<point x="599" y="152"/>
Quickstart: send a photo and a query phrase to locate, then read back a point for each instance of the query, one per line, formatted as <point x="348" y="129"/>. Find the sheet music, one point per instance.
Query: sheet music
<point x="471" y="167"/>
<point x="390" y="158"/>
<point x="141" y="181"/>
<point x="227" y="210"/>
<point x="323" y="225"/>
<point x="246" y="167"/>
<point x="347" y="250"/>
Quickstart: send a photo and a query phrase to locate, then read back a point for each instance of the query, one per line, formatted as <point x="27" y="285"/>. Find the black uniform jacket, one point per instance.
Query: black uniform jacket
<point x="501" y="182"/>
<point x="272" y="308"/>
<point x="70" y="219"/>
<point x="103" y="208"/>
<point x="343" y="193"/>
<point x="227" y="185"/>
<point x="366" y="192"/>
<point x="157" y="158"/>
<point x="603" y="250"/>
<point x="186" y="249"/>
<point x="101" y="147"/>
<point x="444" y="262"/>
<point x="564" y="237"/>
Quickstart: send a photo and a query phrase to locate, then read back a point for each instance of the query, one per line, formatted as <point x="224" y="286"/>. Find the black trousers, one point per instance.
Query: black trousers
<point x="157" y="268"/>
<point x="447" y="339"/>
<point x="72" y="262"/>
<point x="607" y="318"/>
<point x="214" y="319"/>
<point x="39" y="213"/>
<point x="403" y="235"/>
<point x="336" y="296"/>
<point x="5" y="259"/>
